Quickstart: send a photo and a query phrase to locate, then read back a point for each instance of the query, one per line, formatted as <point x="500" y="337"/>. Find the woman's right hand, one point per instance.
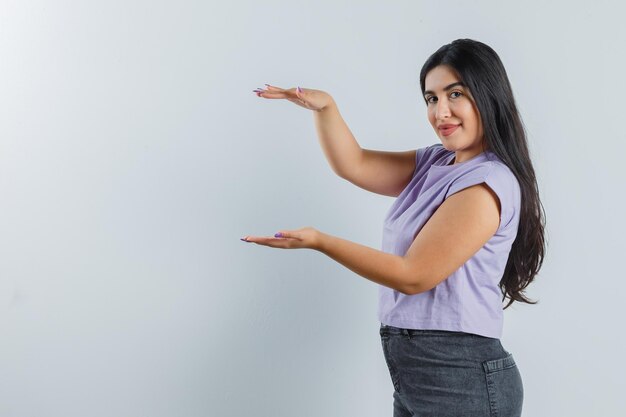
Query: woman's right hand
<point x="309" y="99"/>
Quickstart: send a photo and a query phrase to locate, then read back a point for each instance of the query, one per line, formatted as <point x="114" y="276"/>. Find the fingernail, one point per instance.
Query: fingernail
<point x="278" y="234"/>
<point x="243" y="238"/>
<point x="268" y="85"/>
<point x="299" y="89"/>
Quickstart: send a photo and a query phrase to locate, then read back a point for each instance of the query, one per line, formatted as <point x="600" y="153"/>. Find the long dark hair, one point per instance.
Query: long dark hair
<point x="480" y="68"/>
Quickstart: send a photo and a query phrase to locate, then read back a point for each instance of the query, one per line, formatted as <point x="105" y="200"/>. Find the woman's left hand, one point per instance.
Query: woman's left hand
<point x="306" y="237"/>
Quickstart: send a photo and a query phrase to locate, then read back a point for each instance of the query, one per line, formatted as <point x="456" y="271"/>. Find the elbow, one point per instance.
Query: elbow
<point x="418" y="282"/>
<point x="422" y="284"/>
<point x="410" y="290"/>
<point x="417" y="288"/>
<point x="407" y="292"/>
<point x="410" y="286"/>
<point x="409" y="282"/>
<point x="416" y="279"/>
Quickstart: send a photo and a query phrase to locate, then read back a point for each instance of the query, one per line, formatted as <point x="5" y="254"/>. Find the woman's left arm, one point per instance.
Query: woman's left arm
<point x="459" y="227"/>
<point x="377" y="266"/>
<point x="383" y="268"/>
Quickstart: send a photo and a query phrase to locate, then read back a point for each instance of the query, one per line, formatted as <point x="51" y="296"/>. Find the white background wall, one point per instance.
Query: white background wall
<point x="134" y="155"/>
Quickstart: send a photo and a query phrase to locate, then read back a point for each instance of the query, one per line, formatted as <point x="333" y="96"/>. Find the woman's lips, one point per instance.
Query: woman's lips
<point x="449" y="130"/>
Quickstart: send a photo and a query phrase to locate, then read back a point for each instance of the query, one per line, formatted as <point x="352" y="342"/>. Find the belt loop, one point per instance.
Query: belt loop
<point x="407" y="333"/>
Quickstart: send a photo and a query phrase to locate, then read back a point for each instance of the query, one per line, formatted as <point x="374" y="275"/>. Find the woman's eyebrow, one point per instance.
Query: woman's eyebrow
<point x="446" y="88"/>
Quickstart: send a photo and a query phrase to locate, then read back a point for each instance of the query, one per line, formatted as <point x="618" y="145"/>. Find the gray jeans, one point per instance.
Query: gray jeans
<point x="439" y="373"/>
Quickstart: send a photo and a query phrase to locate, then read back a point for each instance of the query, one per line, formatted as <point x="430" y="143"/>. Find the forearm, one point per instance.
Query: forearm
<point x="337" y="141"/>
<point x="382" y="268"/>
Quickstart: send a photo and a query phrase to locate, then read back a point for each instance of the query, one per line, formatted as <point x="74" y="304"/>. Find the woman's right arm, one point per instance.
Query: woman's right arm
<point x="381" y="172"/>
<point x="337" y="141"/>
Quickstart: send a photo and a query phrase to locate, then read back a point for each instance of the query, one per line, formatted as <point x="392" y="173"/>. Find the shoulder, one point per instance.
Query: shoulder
<point x="438" y="150"/>
<point x="500" y="174"/>
<point x="490" y="169"/>
<point x="431" y="154"/>
<point x="498" y="177"/>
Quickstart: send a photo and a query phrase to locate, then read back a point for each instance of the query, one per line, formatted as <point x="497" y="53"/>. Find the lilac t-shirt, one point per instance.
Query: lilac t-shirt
<point x="469" y="300"/>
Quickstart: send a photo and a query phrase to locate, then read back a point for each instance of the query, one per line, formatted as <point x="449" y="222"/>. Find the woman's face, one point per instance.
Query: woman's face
<point x="450" y="104"/>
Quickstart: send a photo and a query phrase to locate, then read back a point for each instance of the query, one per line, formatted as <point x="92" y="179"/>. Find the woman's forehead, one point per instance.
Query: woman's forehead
<point x="440" y="77"/>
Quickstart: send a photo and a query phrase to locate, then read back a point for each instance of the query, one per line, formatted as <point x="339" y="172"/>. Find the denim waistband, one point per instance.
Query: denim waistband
<point x="391" y="330"/>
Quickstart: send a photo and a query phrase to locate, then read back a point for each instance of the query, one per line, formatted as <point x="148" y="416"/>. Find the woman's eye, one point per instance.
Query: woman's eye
<point x="454" y="92"/>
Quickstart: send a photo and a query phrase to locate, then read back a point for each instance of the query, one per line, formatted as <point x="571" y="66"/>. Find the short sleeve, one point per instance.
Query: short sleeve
<point x="500" y="180"/>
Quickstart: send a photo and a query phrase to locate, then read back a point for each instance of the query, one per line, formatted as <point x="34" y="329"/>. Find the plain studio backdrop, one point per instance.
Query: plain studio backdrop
<point x="134" y="156"/>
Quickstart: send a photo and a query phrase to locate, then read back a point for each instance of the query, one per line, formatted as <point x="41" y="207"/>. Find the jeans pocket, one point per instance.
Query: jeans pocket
<point x="390" y="362"/>
<point x="504" y="387"/>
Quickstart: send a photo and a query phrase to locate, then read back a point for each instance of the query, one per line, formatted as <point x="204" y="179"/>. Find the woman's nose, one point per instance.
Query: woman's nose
<point x="443" y="110"/>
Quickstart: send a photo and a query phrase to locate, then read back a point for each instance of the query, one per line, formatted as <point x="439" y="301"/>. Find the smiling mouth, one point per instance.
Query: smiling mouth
<point x="449" y="130"/>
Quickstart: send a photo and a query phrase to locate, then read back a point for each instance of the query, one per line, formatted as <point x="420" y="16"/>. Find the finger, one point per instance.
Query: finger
<point x="272" y="94"/>
<point x="287" y="235"/>
<point x="290" y="91"/>
<point x="270" y="89"/>
<point x="273" y="242"/>
<point x="255" y="239"/>
<point x="273" y="88"/>
<point x="261" y="240"/>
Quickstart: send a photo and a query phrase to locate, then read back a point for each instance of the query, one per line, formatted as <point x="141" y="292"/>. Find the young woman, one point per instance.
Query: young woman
<point x="465" y="233"/>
